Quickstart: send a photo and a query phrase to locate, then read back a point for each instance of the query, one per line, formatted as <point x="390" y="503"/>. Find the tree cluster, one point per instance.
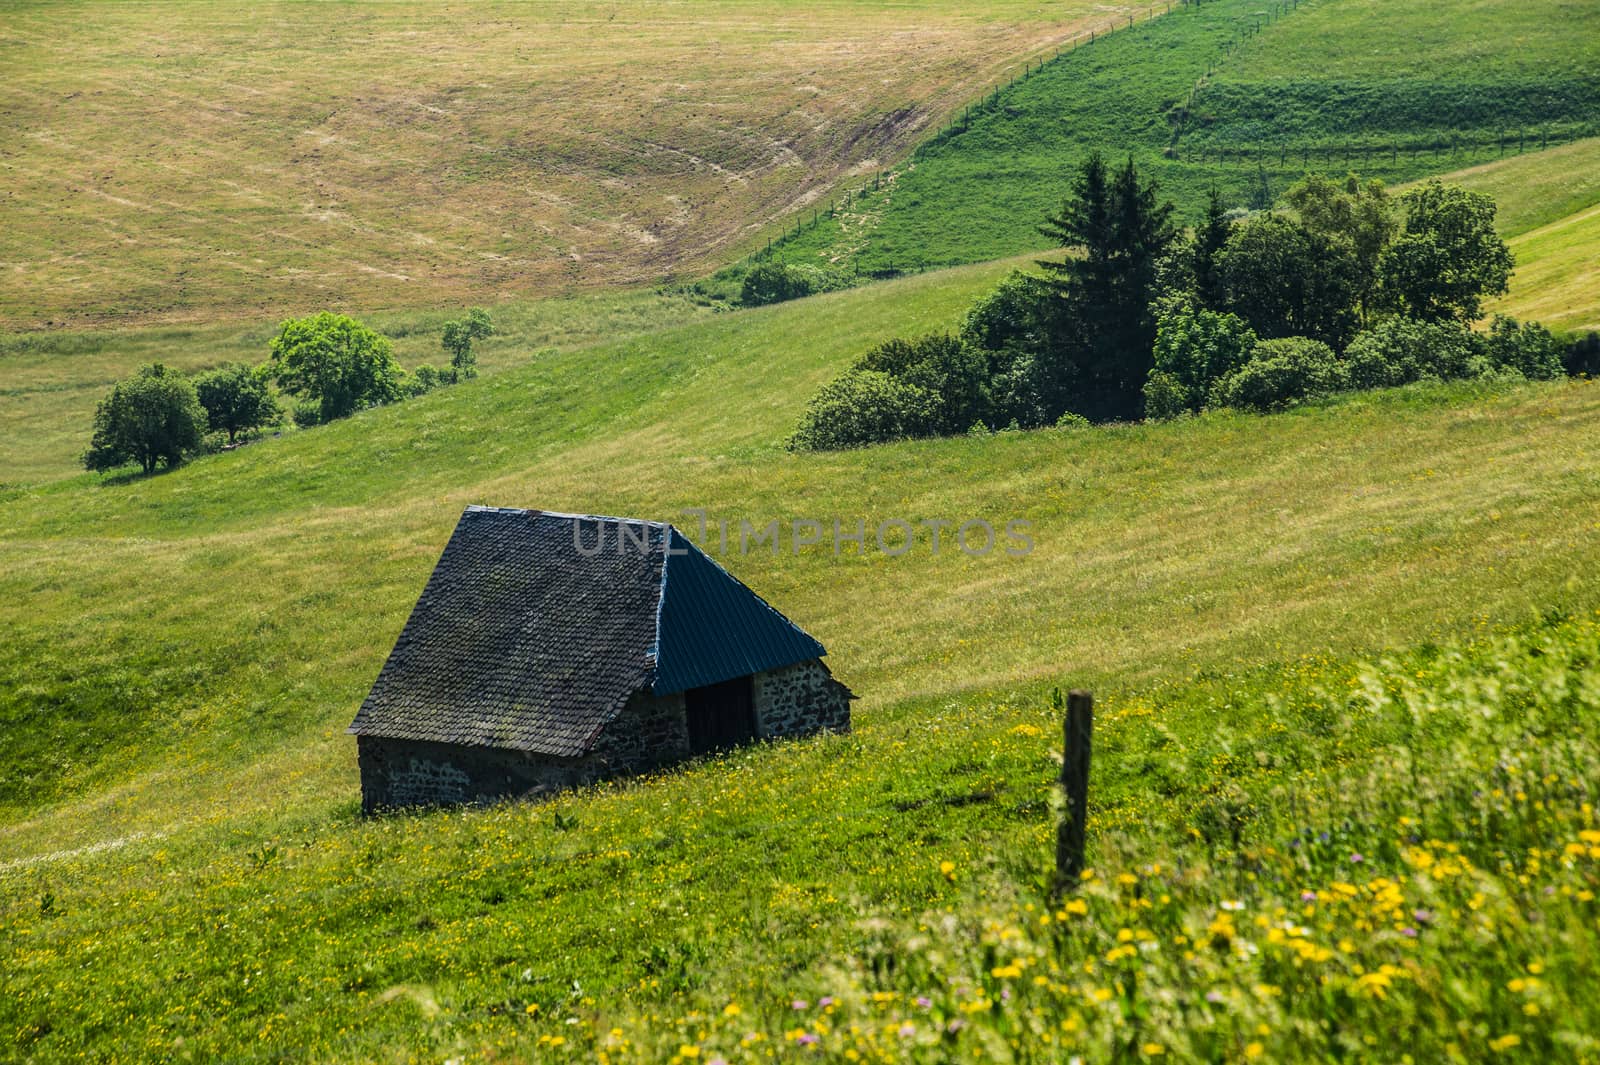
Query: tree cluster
<point x="1343" y="287"/>
<point x="331" y="363"/>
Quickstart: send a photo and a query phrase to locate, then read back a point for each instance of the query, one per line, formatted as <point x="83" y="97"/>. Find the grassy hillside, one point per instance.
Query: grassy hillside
<point x="1287" y="858"/>
<point x="53" y="380"/>
<point x="1245" y="97"/>
<point x="185" y="651"/>
<point x="184" y="162"/>
<point x="1558" y="273"/>
<point x="1536" y="189"/>
<point x="1550" y="208"/>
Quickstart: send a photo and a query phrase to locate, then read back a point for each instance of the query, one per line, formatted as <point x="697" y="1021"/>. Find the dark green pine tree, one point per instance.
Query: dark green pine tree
<point x="1209" y="240"/>
<point x="1117" y="229"/>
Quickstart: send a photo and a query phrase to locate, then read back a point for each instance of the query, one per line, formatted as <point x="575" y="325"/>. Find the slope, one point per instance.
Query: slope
<point x="1558" y="274"/>
<point x="175" y="638"/>
<point x="1241" y="96"/>
<point x="1548" y="204"/>
<point x="180" y="162"/>
<point x="185" y="651"/>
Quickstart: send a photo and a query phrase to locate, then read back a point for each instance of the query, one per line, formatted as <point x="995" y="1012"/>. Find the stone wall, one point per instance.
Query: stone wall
<point x="800" y="699"/>
<point x="398" y="773"/>
<point x="650" y="732"/>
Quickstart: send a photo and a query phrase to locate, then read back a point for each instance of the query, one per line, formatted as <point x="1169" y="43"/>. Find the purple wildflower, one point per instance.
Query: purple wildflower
<point x="806" y="1039"/>
<point x="924" y="1001"/>
<point x="800" y="1004"/>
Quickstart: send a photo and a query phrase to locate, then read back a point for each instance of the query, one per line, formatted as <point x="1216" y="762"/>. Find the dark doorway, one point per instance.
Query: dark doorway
<point x="720" y="715"/>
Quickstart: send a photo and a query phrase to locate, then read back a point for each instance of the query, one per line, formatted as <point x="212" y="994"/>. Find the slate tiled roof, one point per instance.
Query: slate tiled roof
<point x="526" y="637"/>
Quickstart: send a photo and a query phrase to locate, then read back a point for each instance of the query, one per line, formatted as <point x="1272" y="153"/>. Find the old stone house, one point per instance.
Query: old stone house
<point x="552" y="650"/>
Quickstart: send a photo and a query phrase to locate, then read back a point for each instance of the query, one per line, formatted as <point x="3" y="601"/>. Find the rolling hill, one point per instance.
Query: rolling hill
<point x="181" y="163"/>
<point x="1550" y="211"/>
<point x="1344" y="658"/>
<point x="1241" y="96"/>
<point x="185" y="651"/>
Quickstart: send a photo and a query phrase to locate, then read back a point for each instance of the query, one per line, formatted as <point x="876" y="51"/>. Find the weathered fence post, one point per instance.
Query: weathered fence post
<point x="1077" y="727"/>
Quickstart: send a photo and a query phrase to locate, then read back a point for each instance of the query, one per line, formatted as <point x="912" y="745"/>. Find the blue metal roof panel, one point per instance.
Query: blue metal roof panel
<point x="713" y="628"/>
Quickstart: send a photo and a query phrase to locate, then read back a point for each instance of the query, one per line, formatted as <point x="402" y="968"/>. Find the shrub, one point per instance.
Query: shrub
<point x="153" y="418"/>
<point x="1165" y="396"/>
<point x="426" y="378"/>
<point x="1528" y="349"/>
<point x="953" y="374"/>
<point x="861" y="407"/>
<point x="1583" y="356"/>
<point x="1398" y="351"/>
<point x="306" y="414"/>
<point x="777" y="282"/>
<point x="1194" y="349"/>
<point x="1281" y="373"/>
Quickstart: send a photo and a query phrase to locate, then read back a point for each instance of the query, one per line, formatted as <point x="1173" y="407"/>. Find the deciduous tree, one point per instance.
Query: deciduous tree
<point x="1287" y="280"/>
<point x="237" y="399"/>
<point x="153" y="418"/>
<point x="1447" y="258"/>
<point x="458" y="337"/>
<point x="337" y="363"/>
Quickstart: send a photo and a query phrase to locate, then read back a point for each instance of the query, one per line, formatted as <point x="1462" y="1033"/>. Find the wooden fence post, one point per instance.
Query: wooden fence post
<point x="1078" y="725"/>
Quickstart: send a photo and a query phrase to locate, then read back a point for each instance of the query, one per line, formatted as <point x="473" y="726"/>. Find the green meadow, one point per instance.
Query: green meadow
<point x="187" y="649"/>
<point x="1346" y="659"/>
<point x="1242" y="96"/>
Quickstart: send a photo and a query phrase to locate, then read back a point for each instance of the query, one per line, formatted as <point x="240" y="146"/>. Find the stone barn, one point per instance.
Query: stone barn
<point x="553" y="650"/>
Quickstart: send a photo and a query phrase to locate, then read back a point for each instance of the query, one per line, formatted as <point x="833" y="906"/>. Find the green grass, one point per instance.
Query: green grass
<point x="1539" y="188"/>
<point x="1263" y="838"/>
<point x="1558" y="274"/>
<point x="53" y="380"/>
<point x="1228" y="98"/>
<point x="179" y="163"/>
<point x="184" y="651"/>
<point x="1548" y="204"/>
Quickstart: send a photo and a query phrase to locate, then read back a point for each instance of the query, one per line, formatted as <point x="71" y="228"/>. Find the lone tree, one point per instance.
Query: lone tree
<point x="153" y="418"/>
<point x="237" y="399"/>
<point x="336" y="363"/>
<point x="1447" y="257"/>
<point x="457" y="340"/>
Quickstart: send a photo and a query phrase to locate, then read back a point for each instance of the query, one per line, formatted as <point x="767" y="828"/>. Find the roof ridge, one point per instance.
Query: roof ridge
<point x="481" y="509"/>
